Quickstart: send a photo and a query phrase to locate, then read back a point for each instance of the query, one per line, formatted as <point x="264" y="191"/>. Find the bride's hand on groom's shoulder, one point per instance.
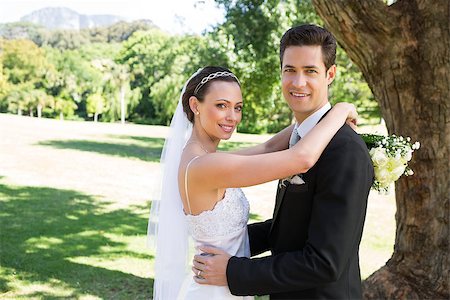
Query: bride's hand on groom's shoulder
<point x="210" y="267"/>
<point x="352" y="123"/>
<point x="352" y="114"/>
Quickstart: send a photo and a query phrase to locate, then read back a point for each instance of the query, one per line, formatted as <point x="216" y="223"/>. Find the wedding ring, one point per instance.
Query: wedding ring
<point x="199" y="272"/>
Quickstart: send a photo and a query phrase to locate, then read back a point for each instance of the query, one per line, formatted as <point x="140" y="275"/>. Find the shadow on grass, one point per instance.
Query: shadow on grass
<point x="131" y="138"/>
<point x="148" y="151"/>
<point x="43" y="230"/>
<point x="137" y="147"/>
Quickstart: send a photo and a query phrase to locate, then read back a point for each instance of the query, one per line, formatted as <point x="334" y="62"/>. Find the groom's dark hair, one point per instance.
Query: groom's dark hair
<point x="310" y="35"/>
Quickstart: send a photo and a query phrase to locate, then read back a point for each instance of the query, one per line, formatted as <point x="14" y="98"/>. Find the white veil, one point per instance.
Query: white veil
<point x="167" y="227"/>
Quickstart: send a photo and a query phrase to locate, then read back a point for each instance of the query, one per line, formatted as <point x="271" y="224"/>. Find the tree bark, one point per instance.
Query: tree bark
<point x="403" y="50"/>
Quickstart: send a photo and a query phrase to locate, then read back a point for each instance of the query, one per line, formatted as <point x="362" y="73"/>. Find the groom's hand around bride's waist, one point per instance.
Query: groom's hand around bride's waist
<point x="210" y="266"/>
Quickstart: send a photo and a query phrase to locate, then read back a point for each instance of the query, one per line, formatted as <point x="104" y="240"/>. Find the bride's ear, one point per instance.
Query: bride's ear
<point x="193" y="104"/>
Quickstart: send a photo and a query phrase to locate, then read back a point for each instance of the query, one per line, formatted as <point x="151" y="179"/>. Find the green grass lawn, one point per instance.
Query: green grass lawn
<point x="62" y="243"/>
<point x="143" y="148"/>
<point x="74" y="207"/>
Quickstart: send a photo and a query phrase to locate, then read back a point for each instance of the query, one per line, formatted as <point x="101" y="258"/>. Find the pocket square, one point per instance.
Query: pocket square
<point x="297" y="180"/>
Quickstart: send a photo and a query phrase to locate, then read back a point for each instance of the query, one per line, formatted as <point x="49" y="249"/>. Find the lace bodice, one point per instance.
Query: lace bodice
<point x="228" y="216"/>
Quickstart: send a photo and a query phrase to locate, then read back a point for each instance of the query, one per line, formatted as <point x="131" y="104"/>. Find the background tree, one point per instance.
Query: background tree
<point x="67" y="39"/>
<point x="63" y="107"/>
<point x="60" y="65"/>
<point x="24" y="66"/>
<point x="149" y="56"/>
<point x="253" y="29"/>
<point x="75" y="78"/>
<point x="95" y="105"/>
<point x="160" y="64"/>
<point x="403" y="52"/>
<point x="23" y="61"/>
<point x="41" y="100"/>
<point x="4" y="89"/>
<point x="25" y="30"/>
<point x="115" y="87"/>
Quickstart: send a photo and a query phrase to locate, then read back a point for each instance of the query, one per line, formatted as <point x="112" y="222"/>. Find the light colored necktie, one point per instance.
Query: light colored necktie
<point x="294" y="137"/>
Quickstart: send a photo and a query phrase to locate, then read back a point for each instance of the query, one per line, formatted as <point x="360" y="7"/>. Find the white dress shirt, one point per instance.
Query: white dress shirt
<point x="300" y="130"/>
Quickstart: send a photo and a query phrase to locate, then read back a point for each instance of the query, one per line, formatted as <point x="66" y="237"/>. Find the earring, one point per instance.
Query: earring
<point x="197" y="112"/>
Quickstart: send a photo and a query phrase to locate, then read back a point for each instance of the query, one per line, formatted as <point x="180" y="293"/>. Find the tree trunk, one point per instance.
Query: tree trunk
<point x="403" y="52"/>
<point x="95" y="117"/>
<point x="39" y="111"/>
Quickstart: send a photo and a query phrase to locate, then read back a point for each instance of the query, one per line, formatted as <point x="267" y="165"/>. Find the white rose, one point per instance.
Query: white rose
<point x="383" y="177"/>
<point x="378" y="156"/>
<point x="396" y="168"/>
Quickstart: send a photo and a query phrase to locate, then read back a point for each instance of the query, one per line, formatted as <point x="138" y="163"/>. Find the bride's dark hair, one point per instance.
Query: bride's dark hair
<point x="195" y="87"/>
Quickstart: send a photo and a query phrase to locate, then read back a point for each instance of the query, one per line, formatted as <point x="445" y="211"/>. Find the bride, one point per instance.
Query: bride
<point x="200" y="194"/>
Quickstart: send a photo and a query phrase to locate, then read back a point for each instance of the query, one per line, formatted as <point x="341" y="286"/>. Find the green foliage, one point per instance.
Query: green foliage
<point x="159" y="65"/>
<point x="5" y="87"/>
<point x="24" y="30"/>
<point x="115" y="87"/>
<point x="25" y="73"/>
<point x="143" y="69"/>
<point x="149" y="57"/>
<point x="23" y="61"/>
<point x="117" y="32"/>
<point x="350" y="86"/>
<point x="255" y="58"/>
<point x="95" y="104"/>
<point x="255" y="28"/>
<point x="70" y="38"/>
<point x="64" y="107"/>
<point x="164" y="95"/>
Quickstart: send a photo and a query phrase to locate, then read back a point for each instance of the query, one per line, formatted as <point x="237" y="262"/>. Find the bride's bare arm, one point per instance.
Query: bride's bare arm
<point x="222" y="170"/>
<point x="278" y="142"/>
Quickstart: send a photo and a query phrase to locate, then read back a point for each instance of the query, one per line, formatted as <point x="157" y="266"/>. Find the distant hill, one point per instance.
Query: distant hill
<point x="73" y="38"/>
<point x="65" y="18"/>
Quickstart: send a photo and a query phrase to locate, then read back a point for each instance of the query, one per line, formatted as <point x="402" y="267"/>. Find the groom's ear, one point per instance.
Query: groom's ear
<point x="193" y="104"/>
<point x="331" y="74"/>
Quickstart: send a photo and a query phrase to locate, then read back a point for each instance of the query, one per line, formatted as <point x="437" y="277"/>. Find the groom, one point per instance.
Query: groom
<point x="318" y="220"/>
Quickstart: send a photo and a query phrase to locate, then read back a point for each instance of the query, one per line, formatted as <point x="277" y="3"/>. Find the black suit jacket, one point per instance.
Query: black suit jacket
<point x="315" y="232"/>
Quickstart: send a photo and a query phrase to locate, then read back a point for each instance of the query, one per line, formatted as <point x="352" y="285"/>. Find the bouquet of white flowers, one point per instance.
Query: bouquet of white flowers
<point x="390" y="156"/>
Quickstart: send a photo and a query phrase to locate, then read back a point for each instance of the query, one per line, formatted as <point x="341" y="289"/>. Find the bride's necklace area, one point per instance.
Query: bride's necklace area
<point x="200" y="144"/>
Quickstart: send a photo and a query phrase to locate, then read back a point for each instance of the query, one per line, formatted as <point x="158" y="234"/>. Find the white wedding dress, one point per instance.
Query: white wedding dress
<point x="224" y="227"/>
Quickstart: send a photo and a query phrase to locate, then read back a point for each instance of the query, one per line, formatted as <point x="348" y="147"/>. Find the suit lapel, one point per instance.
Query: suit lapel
<point x="282" y="191"/>
<point x="279" y="199"/>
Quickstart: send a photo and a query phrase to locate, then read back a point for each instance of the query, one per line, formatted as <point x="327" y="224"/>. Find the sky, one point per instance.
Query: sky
<point x="174" y="16"/>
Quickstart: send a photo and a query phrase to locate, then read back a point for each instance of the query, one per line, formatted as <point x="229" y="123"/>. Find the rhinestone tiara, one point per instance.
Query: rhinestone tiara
<point x="213" y="76"/>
